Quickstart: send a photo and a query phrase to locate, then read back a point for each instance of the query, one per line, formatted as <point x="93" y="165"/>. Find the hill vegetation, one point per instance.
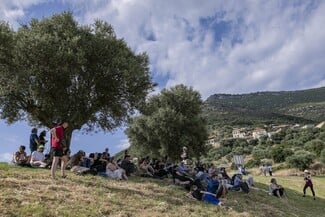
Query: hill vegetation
<point x="303" y="106"/>
<point x="31" y="192"/>
<point x="292" y="147"/>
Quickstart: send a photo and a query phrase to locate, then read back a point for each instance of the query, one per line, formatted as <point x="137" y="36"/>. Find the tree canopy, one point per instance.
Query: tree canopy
<point x="55" y="68"/>
<point x="169" y="121"/>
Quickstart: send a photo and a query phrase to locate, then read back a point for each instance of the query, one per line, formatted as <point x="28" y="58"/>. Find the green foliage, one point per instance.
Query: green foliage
<point x="322" y="156"/>
<point x="169" y="121"/>
<point x="260" y="152"/>
<point x="301" y="159"/>
<point x="316" y="146"/>
<point x="306" y="106"/>
<point x="55" y="68"/>
<point x="253" y="163"/>
<point x="279" y="153"/>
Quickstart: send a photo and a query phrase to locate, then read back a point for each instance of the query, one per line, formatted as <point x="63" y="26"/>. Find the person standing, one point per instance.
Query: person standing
<point x="33" y="140"/>
<point x="270" y="169"/>
<point x="308" y="183"/>
<point x="264" y="170"/>
<point x="42" y="139"/>
<point x="57" y="148"/>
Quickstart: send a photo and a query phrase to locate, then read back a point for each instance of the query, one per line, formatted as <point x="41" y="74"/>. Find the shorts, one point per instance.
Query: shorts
<point x="57" y="152"/>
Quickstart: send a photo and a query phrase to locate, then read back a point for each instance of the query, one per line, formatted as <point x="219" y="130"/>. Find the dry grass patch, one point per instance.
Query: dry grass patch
<point x="31" y="192"/>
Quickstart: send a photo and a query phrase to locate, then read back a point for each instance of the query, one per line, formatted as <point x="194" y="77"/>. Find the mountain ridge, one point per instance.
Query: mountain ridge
<point x="269" y="107"/>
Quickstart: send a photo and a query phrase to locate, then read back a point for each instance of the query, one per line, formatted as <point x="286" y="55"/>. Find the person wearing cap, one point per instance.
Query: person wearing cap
<point x="308" y="183"/>
<point x="37" y="158"/>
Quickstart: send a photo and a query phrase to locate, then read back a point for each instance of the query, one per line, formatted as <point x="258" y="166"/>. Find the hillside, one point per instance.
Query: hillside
<point x="31" y="192"/>
<point x="303" y="106"/>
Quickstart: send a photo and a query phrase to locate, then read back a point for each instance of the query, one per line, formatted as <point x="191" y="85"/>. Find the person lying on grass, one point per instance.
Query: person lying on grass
<point x="200" y="195"/>
<point x="275" y="189"/>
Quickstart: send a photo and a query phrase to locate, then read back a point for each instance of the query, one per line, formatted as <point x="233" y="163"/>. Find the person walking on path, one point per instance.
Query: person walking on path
<point x="263" y="170"/>
<point x="308" y="183"/>
<point x="57" y="147"/>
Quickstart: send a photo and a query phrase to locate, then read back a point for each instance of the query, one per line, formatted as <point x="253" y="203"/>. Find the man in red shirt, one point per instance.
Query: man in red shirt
<point x="57" y="148"/>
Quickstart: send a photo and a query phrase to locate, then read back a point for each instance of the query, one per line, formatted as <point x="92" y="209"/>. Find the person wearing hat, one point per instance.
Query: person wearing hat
<point x="308" y="183"/>
<point x="37" y="158"/>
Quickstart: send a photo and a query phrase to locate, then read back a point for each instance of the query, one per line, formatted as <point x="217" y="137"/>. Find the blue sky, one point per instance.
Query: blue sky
<point x="215" y="46"/>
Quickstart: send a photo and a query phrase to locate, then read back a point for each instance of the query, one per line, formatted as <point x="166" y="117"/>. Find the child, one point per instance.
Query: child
<point x="308" y="183"/>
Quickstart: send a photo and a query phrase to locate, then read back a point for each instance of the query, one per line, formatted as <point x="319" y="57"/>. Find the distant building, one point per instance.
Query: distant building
<point x="240" y="133"/>
<point x="259" y="132"/>
<point x="213" y="140"/>
<point x="307" y="126"/>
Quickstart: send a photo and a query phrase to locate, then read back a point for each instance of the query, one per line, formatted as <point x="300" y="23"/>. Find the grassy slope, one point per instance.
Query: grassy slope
<point x="31" y="192"/>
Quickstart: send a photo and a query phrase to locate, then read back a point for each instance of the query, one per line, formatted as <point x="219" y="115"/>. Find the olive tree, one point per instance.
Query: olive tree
<point x="56" y="68"/>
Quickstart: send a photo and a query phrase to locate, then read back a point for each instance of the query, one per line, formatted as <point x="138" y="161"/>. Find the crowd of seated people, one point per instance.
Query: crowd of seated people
<point x="203" y="182"/>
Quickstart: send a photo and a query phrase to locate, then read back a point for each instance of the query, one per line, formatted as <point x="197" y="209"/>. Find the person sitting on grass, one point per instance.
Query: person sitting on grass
<point x="240" y="184"/>
<point x="37" y="158"/>
<point x="145" y="169"/>
<point x="114" y="172"/>
<point x="20" y="158"/>
<point x="75" y="163"/>
<point x="200" y="195"/>
<point x="275" y="189"/>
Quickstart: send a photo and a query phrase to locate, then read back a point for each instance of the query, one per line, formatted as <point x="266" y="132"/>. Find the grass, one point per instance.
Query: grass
<point x="31" y="192"/>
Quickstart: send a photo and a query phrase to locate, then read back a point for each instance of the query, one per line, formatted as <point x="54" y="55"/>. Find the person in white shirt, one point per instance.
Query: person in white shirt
<point x="38" y="158"/>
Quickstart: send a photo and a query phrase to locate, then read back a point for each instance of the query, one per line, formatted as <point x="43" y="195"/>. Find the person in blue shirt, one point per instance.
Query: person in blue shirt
<point x="33" y="140"/>
<point x="213" y="184"/>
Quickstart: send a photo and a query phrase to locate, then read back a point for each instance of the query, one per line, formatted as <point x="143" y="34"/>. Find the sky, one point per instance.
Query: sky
<point x="214" y="46"/>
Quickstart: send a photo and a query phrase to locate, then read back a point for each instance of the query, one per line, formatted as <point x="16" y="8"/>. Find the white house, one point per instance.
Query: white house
<point x="259" y="132"/>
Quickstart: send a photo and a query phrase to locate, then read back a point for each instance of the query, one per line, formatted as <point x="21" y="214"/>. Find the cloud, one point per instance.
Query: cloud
<point x="124" y="144"/>
<point x="214" y="46"/>
<point x="6" y="157"/>
<point x="219" y="46"/>
<point x="13" y="10"/>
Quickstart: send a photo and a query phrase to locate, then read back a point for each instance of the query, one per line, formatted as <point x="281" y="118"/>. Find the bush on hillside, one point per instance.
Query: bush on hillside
<point x="301" y="159"/>
<point x="322" y="156"/>
<point x="279" y="153"/>
<point x="260" y="152"/>
<point x="253" y="163"/>
<point x="316" y="146"/>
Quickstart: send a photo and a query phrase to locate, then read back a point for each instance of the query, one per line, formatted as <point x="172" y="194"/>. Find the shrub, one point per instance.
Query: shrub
<point x="253" y="163"/>
<point x="260" y="152"/>
<point x="322" y="156"/>
<point x="301" y="159"/>
<point x="316" y="146"/>
<point x="279" y="153"/>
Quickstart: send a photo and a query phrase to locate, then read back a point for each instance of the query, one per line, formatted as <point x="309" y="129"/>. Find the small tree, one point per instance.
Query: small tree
<point x="316" y="146"/>
<point x="279" y="153"/>
<point x="301" y="159"/>
<point x="169" y="121"/>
